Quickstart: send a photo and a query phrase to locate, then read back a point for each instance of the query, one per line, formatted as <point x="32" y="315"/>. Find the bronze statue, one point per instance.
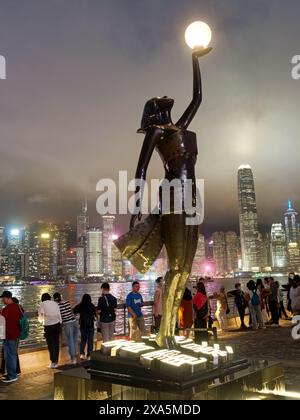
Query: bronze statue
<point x="177" y="148"/>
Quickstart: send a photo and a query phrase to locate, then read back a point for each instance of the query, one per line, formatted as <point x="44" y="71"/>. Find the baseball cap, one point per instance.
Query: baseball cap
<point x="6" y="294"/>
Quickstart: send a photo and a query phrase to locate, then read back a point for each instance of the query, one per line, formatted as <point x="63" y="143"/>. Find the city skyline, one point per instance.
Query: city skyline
<point x="73" y="90"/>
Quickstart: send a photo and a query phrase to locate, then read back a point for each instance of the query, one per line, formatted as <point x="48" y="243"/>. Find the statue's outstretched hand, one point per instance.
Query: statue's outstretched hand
<point x="200" y="52"/>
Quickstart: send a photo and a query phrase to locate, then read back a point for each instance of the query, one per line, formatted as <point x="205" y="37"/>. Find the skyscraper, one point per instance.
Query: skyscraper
<point x="82" y="224"/>
<point x="292" y="237"/>
<point x="82" y="227"/>
<point x="278" y="246"/>
<point x="219" y="250"/>
<point x="44" y="255"/>
<point x="199" y="260"/>
<point x="108" y="232"/>
<point x="232" y="251"/>
<point x="248" y="219"/>
<point x="94" y="252"/>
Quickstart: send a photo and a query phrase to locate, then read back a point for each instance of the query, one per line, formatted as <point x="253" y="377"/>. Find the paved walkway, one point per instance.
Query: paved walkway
<point x="36" y="381"/>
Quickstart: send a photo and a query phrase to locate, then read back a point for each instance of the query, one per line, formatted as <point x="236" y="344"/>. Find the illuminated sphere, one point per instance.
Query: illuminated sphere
<point x="198" y="35"/>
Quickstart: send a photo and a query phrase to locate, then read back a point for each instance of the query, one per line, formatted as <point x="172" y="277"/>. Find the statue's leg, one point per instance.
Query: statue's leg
<point x="181" y="243"/>
<point x="170" y="284"/>
<point x="192" y="237"/>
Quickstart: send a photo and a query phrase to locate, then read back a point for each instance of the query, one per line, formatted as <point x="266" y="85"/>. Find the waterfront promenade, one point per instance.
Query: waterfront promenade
<point x="275" y="344"/>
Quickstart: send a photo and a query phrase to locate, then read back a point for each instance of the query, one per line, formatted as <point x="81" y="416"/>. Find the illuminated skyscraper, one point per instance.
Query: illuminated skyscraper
<point x="219" y="250"/>
<point x="82" y="228"/>
<point x="199" y="260"/>
<point x="292" y="237"/>
<point x="291" y="225"/>
<point x="266" y="251"/>
<point x="248" y="219"/>
<point x="82" y="224"/>
<point x="108" y="232"/>
<point x="278" y="246"/>
<point x="232" y="251"/>
<point x="94" y="252"/>
<point x="44" y="255"/>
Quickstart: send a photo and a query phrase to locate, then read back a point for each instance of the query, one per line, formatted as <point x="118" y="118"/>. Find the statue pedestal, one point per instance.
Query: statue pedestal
<point x="113" y="378"/>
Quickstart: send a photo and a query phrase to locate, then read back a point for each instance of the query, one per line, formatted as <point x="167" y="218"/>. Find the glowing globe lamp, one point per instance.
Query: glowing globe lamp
<point x="198" y="35"/>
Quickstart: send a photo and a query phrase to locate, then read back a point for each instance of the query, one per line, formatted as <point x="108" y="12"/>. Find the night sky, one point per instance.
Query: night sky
<point x="80" y="72"/>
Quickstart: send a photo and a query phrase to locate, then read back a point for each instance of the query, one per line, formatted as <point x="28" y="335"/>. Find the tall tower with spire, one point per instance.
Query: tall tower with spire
<point x="82" y="223"/>
<point x="249" y="233"/>
<point x="82" y="229"/>
<point x="292" y="236"/>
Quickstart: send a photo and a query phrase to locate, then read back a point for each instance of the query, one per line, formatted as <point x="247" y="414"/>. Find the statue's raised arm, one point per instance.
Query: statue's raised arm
<point x="193" y="107"/>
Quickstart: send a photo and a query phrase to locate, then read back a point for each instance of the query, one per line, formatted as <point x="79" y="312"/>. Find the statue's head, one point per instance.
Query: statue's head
<point x="157" y="111"/>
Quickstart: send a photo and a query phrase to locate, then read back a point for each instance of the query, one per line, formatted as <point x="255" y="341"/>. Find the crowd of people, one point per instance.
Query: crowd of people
<point x="263" y="300"/>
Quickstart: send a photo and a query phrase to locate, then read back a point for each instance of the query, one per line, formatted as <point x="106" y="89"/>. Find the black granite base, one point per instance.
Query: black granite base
<point x="123" y="384"/>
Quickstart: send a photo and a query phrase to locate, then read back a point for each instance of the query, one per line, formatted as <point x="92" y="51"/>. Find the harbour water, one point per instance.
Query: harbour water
<point x="30" y="296"/>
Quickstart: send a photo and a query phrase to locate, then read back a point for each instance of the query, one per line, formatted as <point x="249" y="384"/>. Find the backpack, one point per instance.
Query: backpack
<point x="255" y="299"/>
<point x="24" y="326"/>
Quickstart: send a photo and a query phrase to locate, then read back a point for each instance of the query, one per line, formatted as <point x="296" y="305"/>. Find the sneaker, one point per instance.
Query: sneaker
<point x="53" y="365"/>
<point x="275" y="325"/>
<point x="74" y="362"/>
<point x="82" y="357"/>
<point x="6" y="380"/>
<point x="88" y="358"/>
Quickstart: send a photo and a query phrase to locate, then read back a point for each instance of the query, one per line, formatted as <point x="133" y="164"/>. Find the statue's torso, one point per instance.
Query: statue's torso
<point x="178" y="151"/>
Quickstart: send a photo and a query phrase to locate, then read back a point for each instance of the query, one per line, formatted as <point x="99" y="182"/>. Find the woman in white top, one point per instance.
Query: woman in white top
<point x="49" y="315"/>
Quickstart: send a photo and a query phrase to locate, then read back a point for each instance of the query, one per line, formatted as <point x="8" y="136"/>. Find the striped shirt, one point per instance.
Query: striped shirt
<point x="66" y="312"/>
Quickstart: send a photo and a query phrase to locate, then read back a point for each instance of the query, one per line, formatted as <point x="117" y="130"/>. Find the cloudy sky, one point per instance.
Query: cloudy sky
<point x="80" y="71"/>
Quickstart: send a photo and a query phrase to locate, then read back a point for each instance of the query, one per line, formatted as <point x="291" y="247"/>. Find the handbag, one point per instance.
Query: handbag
<point x="24" y="325"/>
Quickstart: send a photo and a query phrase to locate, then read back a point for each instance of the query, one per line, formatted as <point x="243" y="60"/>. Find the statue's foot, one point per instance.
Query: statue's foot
<point x="166" y="342"/>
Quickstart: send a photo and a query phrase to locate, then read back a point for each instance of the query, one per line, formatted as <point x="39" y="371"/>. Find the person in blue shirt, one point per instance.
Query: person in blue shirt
<point x="134" y="303"/>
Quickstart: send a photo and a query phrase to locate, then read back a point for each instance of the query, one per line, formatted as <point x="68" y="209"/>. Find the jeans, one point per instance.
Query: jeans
<point x="3" y="366"/>
<point x="52" y="338"/>
<point x="256" y="316"/>
<point x="241" y="311"/>
<point x="10" y="348"/>
<point x="107" y="331"/>
<point x="137" y="328"/>
<point x="87" y="337"/>
<point x="71" y="332"/>
<point x="273" y="306"/>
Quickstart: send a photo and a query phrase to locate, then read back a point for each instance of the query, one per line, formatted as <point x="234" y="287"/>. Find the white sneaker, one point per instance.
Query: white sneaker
<point x="82" y="357"/>
<point x="74" y="362"/>
<point x="54" y="365"/>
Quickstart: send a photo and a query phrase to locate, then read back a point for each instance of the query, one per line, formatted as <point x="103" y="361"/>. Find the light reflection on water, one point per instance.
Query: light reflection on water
<point x="29" y="297"/>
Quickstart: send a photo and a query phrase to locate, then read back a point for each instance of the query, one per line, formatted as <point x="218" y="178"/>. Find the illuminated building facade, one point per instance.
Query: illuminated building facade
<point x="232" y="251"/>
<point x="278" y="246"/>
<point x="292" y="237"/>
<point x="248" y="219"/>
<point x="219" y="252"/>
<point x="94" y="252"/>
<point x="199" y="268"/>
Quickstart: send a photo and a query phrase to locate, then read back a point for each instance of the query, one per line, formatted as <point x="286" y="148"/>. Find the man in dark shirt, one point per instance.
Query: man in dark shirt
<point x="107" y="305"/>
<point x="12" y="314"/>
<point x="274" y="303"/>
